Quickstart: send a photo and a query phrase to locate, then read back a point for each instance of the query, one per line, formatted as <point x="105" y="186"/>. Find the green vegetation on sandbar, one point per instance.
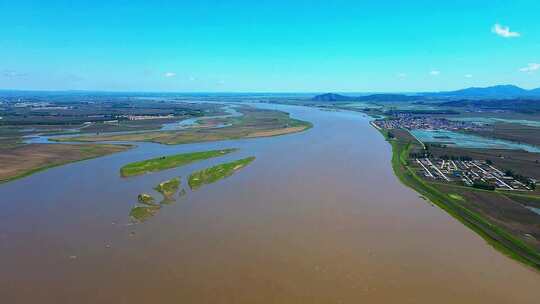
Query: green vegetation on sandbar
<point x="142" y="213"/>
<point x="147" y="206"/>
<point x="213" y="174"/>
<point x="169" y="187"/>
<point x="496" y="236"/>
<point x="168" y="162"/>
<point x="146" y="199"/>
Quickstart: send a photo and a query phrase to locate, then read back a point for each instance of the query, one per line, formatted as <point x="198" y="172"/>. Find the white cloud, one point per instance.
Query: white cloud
<point x="401" y="75"/>
<point x="504" y="31"/>
<point x="435" y="73"/>
<point x="531" y="67"/>
<point x="192" y="78"/>
<point x="12" y="74"/>
<point x="468" y="75"/>
<point x="169" y="74"/>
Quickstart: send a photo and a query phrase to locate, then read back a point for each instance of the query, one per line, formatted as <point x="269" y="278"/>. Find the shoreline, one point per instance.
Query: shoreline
<point x="302" y="127"/>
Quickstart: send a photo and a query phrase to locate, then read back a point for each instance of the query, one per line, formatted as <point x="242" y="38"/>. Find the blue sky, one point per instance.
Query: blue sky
<point x="268" y="46"/>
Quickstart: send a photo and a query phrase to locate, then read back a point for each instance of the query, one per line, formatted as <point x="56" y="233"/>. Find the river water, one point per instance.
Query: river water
<point x="318" y="217"/>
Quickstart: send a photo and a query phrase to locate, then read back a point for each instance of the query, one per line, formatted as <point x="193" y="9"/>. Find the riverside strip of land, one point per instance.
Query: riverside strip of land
<point x="23" y="160"/>
<point x="514" y="232"/>
<point x="168" y="162"/>
<point x="253" y="123"/>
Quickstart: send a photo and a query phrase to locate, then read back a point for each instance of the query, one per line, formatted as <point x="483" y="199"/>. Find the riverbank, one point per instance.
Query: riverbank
<point x="492" y="233"/>
<point x="25" y="160"/>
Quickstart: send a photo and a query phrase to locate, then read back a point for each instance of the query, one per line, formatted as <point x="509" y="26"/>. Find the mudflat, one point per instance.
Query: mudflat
<point x="26" y="159"/>
<point x="253" y="123"/>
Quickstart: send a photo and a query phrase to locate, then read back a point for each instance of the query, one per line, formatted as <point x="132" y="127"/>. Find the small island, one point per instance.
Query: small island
<point x="213" y="174"/>
<point x="168" y="188"/>
<point x="142" y="213"/>
<point x="146" y="199"/>
<point x="168" y="162"/>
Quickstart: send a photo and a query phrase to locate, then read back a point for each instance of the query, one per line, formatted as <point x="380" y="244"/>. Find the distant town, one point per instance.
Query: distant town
<point x="467" y="171"/>
<point x="411" y="122"/>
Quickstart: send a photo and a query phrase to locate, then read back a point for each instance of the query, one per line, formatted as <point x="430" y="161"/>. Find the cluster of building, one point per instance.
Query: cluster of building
<point x="470" y="172"/>
<point x="412" y="122"/>
<point x="35" y="105"/>
<point x="146" y="117"/>
<point x="31" y="104"/>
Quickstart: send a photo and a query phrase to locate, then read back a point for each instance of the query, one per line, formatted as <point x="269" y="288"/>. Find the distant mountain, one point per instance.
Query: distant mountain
<point x="390" y="97"/>
<point x="535" y="91"/>
<point x="332" y="97"/>
<point x="497" y="92"/>
<point x="374" y="97"/>
<point x="519" y="105"/>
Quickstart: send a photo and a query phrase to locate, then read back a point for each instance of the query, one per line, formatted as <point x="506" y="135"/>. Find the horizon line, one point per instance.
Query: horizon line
<point x="243" y="92"/>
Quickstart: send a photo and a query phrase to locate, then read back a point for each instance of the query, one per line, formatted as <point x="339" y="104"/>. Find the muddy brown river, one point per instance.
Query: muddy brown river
<point x="318" y="217"/>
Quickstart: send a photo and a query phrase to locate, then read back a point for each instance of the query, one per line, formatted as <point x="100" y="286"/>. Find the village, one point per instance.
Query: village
<point x="473" y="173"/>
<point x="413" y="122"/>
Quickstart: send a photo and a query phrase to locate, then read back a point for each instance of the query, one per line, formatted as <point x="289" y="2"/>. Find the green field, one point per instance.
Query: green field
<point x="168" y="162"/>
<point x="213" y="174"/>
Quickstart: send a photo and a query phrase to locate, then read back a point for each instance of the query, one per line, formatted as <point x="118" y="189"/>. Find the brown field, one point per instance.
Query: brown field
<point x="24" y="160"/>
<point x="513" y="132"/>
<point x="503" y="210"/>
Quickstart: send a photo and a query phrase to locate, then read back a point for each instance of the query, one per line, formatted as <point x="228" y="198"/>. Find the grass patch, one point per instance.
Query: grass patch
<point x="148" y="207"/>
<point x="142" y="213"/>
<point x="213" y="174"/>
<point x="168" y="188"/>
<point x="168" y="162"/>
<point x="456" y="197"/>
